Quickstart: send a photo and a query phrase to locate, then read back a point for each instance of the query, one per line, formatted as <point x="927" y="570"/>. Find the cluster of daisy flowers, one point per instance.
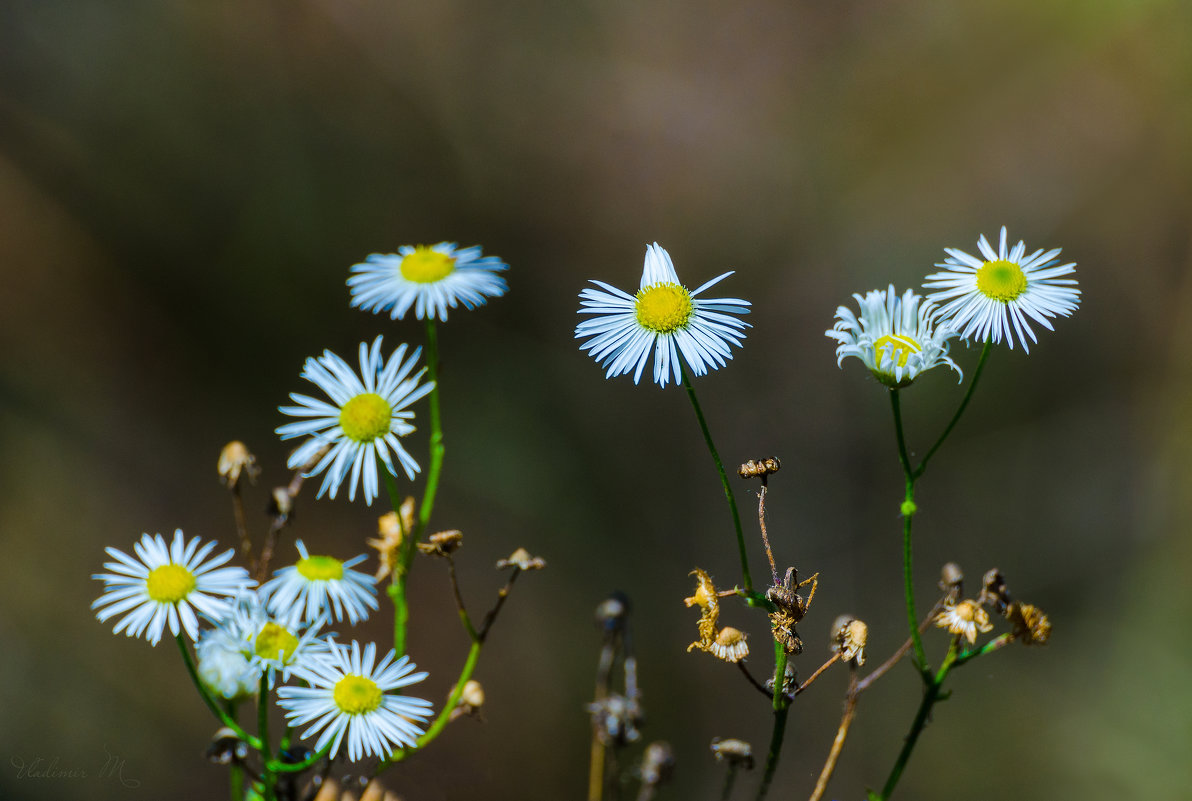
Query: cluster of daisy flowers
<point x="992" y="297"/>
<point x="259" y="636"/>
<point x="985" y="298"/>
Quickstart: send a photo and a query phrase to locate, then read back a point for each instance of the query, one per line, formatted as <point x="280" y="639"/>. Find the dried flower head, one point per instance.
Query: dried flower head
<point x="442" y="543"/>
<point x="759" y="468"/>
<point x="709" y="604"/>
<point x="522" y="560"/>
<point x="234" y="460"/>
<point x="729" y="645"/>
<point x="616" y="719"/>
<point x="734" y="751"/>
<point x="226" y="747"/>
<point x="470" y="702"/>
<point x="849" y="638"/>
<point x="613" y="611"/>
<point x="391" y="529"/>
<point x="994" y="592"/>
<point x="790" y="680"/>
<point x="951" y="582"/>
<point x="281" y="504"/>
<point x="965" y="618"/>
<point x="1030" y="624"/>
<point x="658" y="763"/>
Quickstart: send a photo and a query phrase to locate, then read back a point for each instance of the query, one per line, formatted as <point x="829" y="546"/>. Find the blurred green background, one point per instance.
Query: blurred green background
<point x="183" y="186"/>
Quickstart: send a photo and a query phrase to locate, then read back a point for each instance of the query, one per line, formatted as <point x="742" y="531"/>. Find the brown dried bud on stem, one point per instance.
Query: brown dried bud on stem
<point x="733" y="751"/>
<point x="759" y="468"/>
<point x="522" y="560"/>
<point x="234" y="461"/>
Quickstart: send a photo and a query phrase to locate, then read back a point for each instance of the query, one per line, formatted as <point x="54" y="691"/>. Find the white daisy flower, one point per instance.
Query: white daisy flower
<point x="225" y="662"/>
<point x="665" y="318"/>
<point x="363" y="421"/>
<point x="431" y="278"/>
<point x="262" y="642"/>
<point x="319" y="586"/>
<point x="163" y="586"/>
<point x="347" y="694"/>
<point x="965" y="619"/>
<point x="982" y="299"/>
<point x="894" y="336"/>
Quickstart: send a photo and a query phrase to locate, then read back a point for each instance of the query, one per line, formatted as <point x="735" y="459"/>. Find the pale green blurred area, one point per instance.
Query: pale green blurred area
<point x="183" y="187"/>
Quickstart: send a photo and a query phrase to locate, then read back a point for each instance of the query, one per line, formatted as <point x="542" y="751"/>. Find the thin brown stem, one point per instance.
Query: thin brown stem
<point x="901" y="652"/>
<point x="502" y="595"/>
<point x="241" y="525"/>
<point x="761" y="688"/>
<point x="459" y="600"/>
<point x="846" y="720"/>
<point x="283" y="513"/>
<point x="835" y="658"/>
<point x="761" y="522"/>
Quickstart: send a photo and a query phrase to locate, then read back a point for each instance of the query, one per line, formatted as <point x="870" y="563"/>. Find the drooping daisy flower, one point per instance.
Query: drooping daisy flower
<point x="363" y="421"/>
<point x="664" y="318"/>
<point x="347" y="694"/>
<point x="985" y="299"/>
<point x="320" y="586"/>
<point x="894" y="336"/>
<point x="163" y="586"/>
<point x="431" y="278"/>
<point x="247" y="642"/>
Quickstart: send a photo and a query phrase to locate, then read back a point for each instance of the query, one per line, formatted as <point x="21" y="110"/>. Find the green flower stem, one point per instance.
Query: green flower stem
<point x="436" y="728"/>
<point x="728" y="493"/>
<point x="397" y="589"/>
<point x="1001" y="641"/>
<point x="730" y="776"/>
<point x="930" y="696"/>
<point x="236" y="782"/>
<point x="267" y="775"/>
<point x="908" y="513"/>
<point x="959" y="410"/>
<point x="781" y="705"/>
<point x="207" y="699"/>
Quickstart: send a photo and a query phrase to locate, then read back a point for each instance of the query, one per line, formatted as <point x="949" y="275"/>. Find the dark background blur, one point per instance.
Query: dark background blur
<point x="183" y="187"/>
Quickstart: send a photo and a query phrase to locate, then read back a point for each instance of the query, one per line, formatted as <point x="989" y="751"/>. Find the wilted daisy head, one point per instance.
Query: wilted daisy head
<point x="431" y="278"/>
<point x="320" y="586"/>
<point x="665" y="318"/>
<point x="362" y="422"/>
<point x="993" y="296"/>
<point x="894" y="336"/>
<point x="348" y="695"/>
<point x="165" y="584"/>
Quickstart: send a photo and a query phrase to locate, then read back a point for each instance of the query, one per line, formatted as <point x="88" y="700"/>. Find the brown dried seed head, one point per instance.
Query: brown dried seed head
<point x="442" y="543"/>
<point x="1030" y="624"/>
<point x="994" y="592"/>
<point x="658" y="763"/>
<point x="281" y="503"/>
<point x="522" y="560"/>
<point x="756" y="468"/>
<point x="729" y="645"/>
<point x="951" y="581"/>
<point x="850" y="639"/>
<point x="235" y="459"/>
<point x="709" y="604"/>
<point x="734" y="751"/>
<point x="471" y="700"/>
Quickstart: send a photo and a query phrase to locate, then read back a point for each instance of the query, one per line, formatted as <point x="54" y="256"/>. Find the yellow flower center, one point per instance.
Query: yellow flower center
<point x="321" y="568"/>
<point x="366" y="417"/>
<point x="664" y="308"/>
<point x="1001" y="280"/>
<point x="170" y="583"/>
<point x="897" y="346"/>
<point x="274" y="640"/>
<point x="357" y="695"/>
<point x="426" y="265"/>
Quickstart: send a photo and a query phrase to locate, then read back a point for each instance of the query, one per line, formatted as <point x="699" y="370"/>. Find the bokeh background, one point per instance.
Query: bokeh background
<point x="183" y="187"/>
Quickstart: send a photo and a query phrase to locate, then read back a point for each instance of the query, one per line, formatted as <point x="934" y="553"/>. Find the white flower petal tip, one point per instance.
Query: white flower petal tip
<point x="665" y="319"/>
<point x="428" y="278"/>
<point x="996" y="296"/>
<point x="893" y="336"/>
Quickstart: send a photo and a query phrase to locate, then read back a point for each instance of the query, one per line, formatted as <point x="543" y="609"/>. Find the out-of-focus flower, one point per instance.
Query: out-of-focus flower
<point x="965" y="618"/>
<point x="431" y="278"/>
<point x="320" y="586"/>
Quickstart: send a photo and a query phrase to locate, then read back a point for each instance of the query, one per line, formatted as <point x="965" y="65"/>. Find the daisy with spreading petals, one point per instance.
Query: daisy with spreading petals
<point x="894" y="337"/>
<point x="431" y="278"/>
<point x="363" y="420"/>
<point x="664" y="318"/>
<point x="998" y="294"/>
<point x="166" y="584"/>
<point x="319" y="586"/>
<point x="350" y="695"/>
